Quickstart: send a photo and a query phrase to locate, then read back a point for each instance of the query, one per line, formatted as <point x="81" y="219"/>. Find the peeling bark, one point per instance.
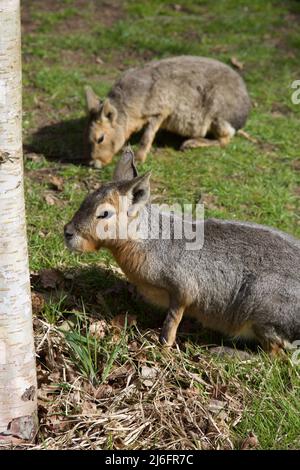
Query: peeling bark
<point x="17" y="357"/>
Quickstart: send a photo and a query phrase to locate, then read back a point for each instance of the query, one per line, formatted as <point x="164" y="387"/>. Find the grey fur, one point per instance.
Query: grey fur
<point x="190" y="96"/>
<point x="245" y="281"/>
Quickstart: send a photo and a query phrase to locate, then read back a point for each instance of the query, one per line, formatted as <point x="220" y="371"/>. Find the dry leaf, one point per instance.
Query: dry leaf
<point x="102" y="391"/>
<point x="52" y="200"/>
<point x="121" y="371"/>
<point x="42" y="394"/>
<point x="42" y="375"/>
<point x="55" y="377"/>
<point x="116" y="337"/>
<point x="251" y="442"/>
<point x="56" y="423"/>
<point x="51" y="278"/>
<point x="236" y="63"/>
<point x="210" y="201"/>
<point x="89" y="408"/>
<point x="119" y="321"/>
<point x="148" y="375"/>
<point x="37" y="302"/>
<point x="141" y="356"/>
<point x="98" y="329"/>
<point x="49" y="199"/>
<point x="43" y="233"/>
<point x="56" y="182"/>
<point x="45" y="390"/>
<point x="192" y="392"/>
<point x="215" y="406"/>
<point x="133" y="346"/>
<point x="148" y="372"/>
<point x="66" y="325"/>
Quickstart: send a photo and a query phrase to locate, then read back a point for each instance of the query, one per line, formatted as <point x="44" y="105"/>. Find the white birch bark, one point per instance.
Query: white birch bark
<point x="17" y="358"/>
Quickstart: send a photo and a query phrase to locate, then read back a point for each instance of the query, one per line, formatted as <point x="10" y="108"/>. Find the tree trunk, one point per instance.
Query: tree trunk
<point x="17" y="357"/>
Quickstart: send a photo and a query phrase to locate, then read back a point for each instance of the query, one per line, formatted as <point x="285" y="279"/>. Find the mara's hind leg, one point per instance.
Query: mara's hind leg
<point x="220" y="129"/>
<point x="275" y="301"/>
<point x="270" y="340"/>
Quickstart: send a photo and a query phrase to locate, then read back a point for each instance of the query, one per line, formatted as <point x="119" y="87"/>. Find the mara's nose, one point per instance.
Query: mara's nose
<point x="68" y="231"/>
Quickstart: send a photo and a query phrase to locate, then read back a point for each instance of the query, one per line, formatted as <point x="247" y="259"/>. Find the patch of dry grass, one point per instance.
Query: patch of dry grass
<point x="151" y="398"/>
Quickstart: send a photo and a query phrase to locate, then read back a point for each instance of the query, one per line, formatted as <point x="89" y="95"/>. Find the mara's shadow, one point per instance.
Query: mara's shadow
<point x="67" y="142"/>
<point x="63" y="141"/>
<point x="97" y="291"/>
<point x="102" y="294"/>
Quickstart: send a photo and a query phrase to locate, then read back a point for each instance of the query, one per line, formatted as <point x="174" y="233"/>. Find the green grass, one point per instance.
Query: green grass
<point x="274" y="412"/>
<point x="254" y="182"/>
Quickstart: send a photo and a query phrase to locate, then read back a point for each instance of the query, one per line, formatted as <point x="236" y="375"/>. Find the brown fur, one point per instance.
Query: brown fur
<point x="128" y="256"/>
<point x="131" y="259"/>
<point x="88" y="245"/>
<point x="276" y="350"/>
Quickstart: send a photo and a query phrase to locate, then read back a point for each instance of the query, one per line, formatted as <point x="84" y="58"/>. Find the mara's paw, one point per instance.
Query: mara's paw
<point x="189" y="144"/>
<point x="277" y="350"/>
<point x="199" y="142"/>
<point x="164" y="342"/>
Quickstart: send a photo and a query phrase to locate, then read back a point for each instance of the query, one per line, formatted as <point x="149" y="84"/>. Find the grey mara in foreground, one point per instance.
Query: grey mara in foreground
<point x="243" y="282"/>
<point x="194" y="97"/>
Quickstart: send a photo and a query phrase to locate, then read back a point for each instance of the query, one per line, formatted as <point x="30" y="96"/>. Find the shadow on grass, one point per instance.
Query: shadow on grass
<point x="67" y="142"/>
<point x="101" y="294"/>
<point x="168" y="139"/>
<point x="113" y="295"/>
<point x="63" y="141"/>
<point x="98" y="292"/>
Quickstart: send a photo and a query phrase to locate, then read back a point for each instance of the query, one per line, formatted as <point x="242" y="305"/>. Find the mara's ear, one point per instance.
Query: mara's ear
<point x="92" y="100"/>
<point x="109" y="112"/>
<point x="138" y="191"/>
<point x="125" y="168"/>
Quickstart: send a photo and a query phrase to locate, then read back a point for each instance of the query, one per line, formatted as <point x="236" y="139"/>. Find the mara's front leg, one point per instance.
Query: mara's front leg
<point x="152" y="127"/>
<point x="171" y="323"/>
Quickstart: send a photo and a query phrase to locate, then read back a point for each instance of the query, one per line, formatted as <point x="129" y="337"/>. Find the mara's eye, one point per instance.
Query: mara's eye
<point x="100" y="139"/>
<point x="104" y="215"/>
